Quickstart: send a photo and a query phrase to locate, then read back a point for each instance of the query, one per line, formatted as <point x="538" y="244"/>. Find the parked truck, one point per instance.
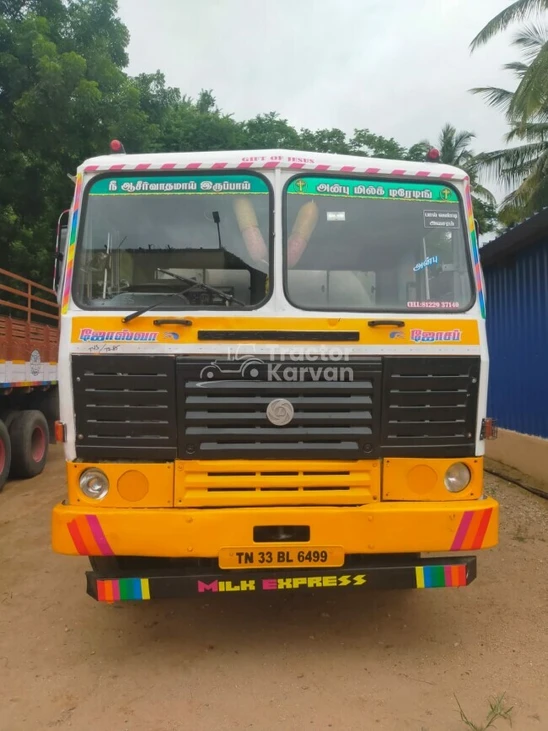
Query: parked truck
<point x="274" y="375"/>
<point x="29" y="408"/>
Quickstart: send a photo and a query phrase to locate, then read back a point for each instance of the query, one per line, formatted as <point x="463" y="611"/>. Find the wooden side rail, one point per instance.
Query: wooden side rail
<point x="25" y="300"/>
<point x="28" y="319"/>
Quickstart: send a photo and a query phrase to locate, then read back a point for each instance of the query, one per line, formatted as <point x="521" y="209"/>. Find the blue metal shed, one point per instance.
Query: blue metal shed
<point x="515" y="268"/>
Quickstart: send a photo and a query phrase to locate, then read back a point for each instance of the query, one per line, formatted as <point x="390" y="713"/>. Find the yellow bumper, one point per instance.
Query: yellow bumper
<point x="411" y="527"/>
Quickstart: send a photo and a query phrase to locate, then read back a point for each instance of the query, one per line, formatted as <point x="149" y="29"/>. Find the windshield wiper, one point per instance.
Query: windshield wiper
<point x="142" y="311"/>
<point x="193" y="283"/>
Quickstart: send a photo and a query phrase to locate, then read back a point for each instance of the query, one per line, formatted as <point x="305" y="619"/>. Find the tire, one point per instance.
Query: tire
<point x="5" y="454"/>
<point x="8" y="417"/>
<point x="29" y="444"/>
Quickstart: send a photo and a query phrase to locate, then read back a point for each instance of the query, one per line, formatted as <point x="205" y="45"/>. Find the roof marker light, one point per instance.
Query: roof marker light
<point x="433" y="155"/>
<point x="116" y="146"/>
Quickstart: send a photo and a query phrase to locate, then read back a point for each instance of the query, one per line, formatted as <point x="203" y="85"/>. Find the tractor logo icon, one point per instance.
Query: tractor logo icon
<point x="248" y="369"/>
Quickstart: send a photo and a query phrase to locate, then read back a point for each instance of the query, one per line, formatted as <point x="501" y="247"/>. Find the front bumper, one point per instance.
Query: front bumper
<point x="379" y="528"/>
<point x="396" y="574"/>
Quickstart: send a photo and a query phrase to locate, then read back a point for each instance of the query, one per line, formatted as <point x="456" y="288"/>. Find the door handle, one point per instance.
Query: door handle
<point x="173" y="321"/>
<point x="386" y="323"/>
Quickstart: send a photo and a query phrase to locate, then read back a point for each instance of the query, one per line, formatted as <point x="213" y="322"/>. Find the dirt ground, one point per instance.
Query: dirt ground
<point x="387" y="661"/>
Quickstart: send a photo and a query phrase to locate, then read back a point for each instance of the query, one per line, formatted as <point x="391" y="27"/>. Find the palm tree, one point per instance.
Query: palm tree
<point x="455" y="150"/>
<point x="528" y="97"/>
<point x="523" y="169"/>
<point x="454" y="147"/>
<point x="518" y="10"/>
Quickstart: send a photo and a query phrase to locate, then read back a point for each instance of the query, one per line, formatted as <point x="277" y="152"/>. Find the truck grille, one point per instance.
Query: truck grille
<point x="159" y="408"/>
<point x="223" y="409"/>
<point x="429" y="406"/>
<point x="125" y="407"/>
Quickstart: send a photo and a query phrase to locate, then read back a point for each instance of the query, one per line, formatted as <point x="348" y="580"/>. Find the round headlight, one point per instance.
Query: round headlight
<point x="94" y="484"/>
<point x="457" y="477"/>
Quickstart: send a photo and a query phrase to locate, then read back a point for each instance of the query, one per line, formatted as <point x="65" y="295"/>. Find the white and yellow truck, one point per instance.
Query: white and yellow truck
<point x="273" y="370"/>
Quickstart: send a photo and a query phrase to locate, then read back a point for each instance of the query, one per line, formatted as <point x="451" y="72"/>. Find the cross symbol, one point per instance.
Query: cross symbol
<point x="301" y="185"/>
<point x="445" y="194"/>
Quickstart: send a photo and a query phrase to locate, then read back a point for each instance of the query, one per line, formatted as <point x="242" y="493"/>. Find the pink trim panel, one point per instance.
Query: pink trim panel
<point x="277" y="162"/>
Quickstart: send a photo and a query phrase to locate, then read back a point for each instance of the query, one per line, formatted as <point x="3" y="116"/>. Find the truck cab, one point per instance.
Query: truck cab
<point x="273" y="372"/>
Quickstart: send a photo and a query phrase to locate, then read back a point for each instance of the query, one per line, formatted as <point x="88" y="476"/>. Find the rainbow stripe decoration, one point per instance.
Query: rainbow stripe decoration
<point x="26" y="384"/>
<point x="472" y="529"/>
<point x="88" y="536"/>
<point x="436" y="577"/>
<point x="475" y="249"/>
<point x="116" y="590"/>
<point x="72" y="242"/>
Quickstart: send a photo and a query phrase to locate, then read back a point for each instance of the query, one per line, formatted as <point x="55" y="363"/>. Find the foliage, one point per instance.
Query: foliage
<point x="498" y="710"/>
<point x="454" y="147"/>
<point x="522" y="168"/>
<point x="64" y="94"/>
<point x="487" y="215"/>
<point x="530" y="94"/>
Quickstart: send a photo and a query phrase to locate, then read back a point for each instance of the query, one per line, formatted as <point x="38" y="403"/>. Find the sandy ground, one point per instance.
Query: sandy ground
<point x="387" y="661"/>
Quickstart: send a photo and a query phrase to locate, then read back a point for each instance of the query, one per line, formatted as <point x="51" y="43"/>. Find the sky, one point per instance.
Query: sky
<point x="401" y="68"/>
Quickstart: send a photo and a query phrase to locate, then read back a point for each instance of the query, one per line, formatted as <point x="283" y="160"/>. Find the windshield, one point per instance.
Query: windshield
<point x="354" y="244"/>
<point x="212" y="229"/>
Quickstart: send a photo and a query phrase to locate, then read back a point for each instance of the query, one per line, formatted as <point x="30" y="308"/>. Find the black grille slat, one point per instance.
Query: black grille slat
<point x="114" y="412"/>
<point x="130" y="429"/>
<point x="442" y="365"/>
<point x="329" y="404"/>
<point x="432" y="429"/>
<point x="156" y="382"/>
<point x="125" y="407"/>
<point x="429" y="383"/>
<point x="273" y="388"/>
<point x="432" y="398"/>
<point x="430" y="406"/>
<point x="225" y="416"/>
<point x="150" y="399"/>
<point x="427" y="413"/>
<point x="288" y="433"/>
<point x="258" y="418"/>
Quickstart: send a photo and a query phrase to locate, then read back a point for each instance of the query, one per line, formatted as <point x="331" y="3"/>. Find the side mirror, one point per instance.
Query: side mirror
<point x="478" y="229"/>
<point x="60" y="247"/>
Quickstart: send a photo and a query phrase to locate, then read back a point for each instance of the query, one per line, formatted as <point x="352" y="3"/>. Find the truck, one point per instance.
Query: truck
<point x="273" y="369"/>
<point x="29" y="405"/>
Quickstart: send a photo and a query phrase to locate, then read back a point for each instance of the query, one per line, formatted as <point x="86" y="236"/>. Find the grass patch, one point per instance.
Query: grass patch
<point x="498" y="710"/>
<point x="521" y="535"/>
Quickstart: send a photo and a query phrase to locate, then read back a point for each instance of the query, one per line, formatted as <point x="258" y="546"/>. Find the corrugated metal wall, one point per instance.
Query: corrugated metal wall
<point x="517" y="330"/>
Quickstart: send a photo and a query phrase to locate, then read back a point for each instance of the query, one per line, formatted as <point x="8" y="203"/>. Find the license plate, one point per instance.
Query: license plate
<point x="281" y="557"/>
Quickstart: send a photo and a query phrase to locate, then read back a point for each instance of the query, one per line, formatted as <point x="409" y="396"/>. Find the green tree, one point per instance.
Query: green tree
<point x="62" y="93"/>
<point x="268" y="131"/>
<point x="366" y="143"/>
<point x="196" y="125"/>
<point x="529" y="96"/>
<point x="324" y="140"/>
<point x="523" y="168"/>
<point x="455" y="150"/>
<point x="418" y="151"/>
